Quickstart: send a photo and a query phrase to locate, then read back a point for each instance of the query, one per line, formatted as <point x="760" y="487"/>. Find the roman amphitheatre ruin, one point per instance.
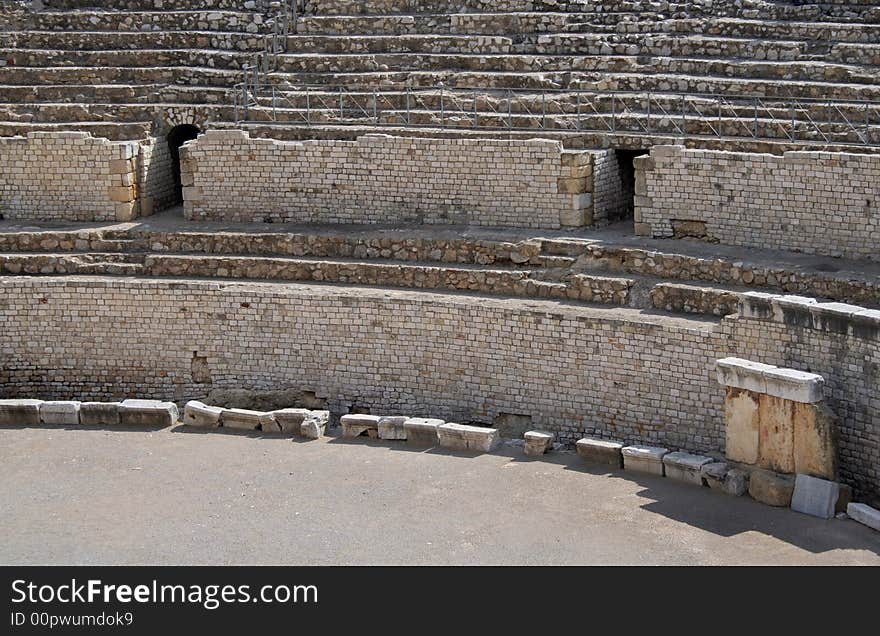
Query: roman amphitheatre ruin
<point x="646" y="230"/>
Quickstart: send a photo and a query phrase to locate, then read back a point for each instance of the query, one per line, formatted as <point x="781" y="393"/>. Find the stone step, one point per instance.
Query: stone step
<point x="96" y="112"/>
<point x="78" y="75"/>
<point x="147" y="5"/>
<point x="136" y="40"/>
<point x="114" y="93"/>
<point x="212" y="58"/>
<point x="111" y="130"/>
<point x="165" y="20"/>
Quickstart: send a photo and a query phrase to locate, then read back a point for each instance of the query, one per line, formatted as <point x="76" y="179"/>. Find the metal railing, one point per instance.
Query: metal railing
<point x="792" y="119"/>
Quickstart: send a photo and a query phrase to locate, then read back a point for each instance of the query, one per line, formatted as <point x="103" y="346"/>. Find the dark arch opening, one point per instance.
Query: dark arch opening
<point x="627" y="182"/>
<point x="178" y="136"/>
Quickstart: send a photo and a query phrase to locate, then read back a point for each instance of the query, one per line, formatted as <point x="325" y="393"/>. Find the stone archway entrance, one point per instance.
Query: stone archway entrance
<point x="176" y="137"/>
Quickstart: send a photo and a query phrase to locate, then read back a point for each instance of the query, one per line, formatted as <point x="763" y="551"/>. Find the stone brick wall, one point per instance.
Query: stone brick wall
<point x="814" y="202"/>
<point x="381" y="179"/>
<point x="575" y="370"/>
<point x="67" y="175"/>
<point x="155" y="176"/>
<point x="612" y="191"/>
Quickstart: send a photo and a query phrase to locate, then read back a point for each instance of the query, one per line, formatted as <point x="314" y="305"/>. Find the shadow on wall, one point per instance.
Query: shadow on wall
<point x="178" y="136"/>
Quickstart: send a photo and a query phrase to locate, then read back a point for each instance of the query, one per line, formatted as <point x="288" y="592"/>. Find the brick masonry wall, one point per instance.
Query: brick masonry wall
<point x="67" y="176"/>
<point x="814" y="202"/>
<point x="575" y="370"/>
<point x="612" y="193"/>
<point x="381" y="179"/>
<point x="155" y="175"/>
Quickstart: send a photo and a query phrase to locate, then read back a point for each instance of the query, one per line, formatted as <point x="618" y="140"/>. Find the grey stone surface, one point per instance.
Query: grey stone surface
<point x="644" y="459"/>
<point x="773" y="489"/>
<point x="149" y="413"/>
<point x="864" y="514"/>
<point x="356" y="424"/>
<point x="60" y="413"/>
<point x="814" y="496"/>
<point x="392" y="427"/>
<point x="422" y="432"/>
<point x="290" y="420"/>
<point x="736" y="482"/>
<point x="99" y="413"/>
<point x="469" y="438"/>
<point x="198" y="414"/>
<point x="685" y="467"/>
<point x="314" y="425"/>
<point x="247" y="420"/>
<point x="601" y="451"/>
<point x="714" y="473"/>
<point x="20" y="412"/>
<point x="537" y="443"/>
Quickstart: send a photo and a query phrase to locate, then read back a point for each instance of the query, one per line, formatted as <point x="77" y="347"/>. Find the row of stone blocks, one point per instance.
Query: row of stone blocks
<point x="422" y="432"/>
<point x="145" y="413"/>
<point x="304" y="422"/>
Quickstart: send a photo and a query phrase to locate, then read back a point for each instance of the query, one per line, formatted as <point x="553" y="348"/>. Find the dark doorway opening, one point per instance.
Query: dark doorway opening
<point x="178" y="136"/>
<point x="627" y="173"/>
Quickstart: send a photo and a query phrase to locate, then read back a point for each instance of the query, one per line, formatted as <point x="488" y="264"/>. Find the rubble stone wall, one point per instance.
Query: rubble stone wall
<point x="814" y="202"/>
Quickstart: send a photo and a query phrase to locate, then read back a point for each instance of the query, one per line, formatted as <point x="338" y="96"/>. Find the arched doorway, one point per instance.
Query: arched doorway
<point x="178" y="136"/>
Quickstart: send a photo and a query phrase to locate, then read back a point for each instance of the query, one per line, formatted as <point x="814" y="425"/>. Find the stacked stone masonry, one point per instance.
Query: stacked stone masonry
<point x="228" y="176"/>
<point x="68" y="176"/>
<point x="576" y="371"/>
<point x="814" y="202"/>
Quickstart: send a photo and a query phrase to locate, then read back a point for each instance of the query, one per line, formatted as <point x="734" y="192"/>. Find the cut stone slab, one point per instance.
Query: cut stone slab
<point x="814" y="496"/>
<point x="356" y="424"/>
<point x="247" y="420"/>
<point x="713" y="474"/>
<point x="600" y="451"/>
<point x="289" y="420"/>
<point x="685" y="467"/>
<point x="794" y="385"/>
<point x="736" y="482"/>
<point x="60" y="413"/>
<point x="742" y="374"/>
<point x="315" y="424"/>
<point x="537" y="443"/>
<point x="20" y="412"/>
<point x="391" y="427"/>
<point x="152" y="413"/>
<point x="99" y="413"/>
<point x="815" y="441"/>
<point x="864" y="514"/>
<point x="771" y="488"/>
<point x="201" y="415"/>
<point x="644" y="459"/>
<point x="468" y="438"/>
<point x="742" y="430"/>
<point x="422" y="432"/>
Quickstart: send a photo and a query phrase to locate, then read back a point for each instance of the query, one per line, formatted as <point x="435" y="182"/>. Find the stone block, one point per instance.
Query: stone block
<point x="99" y="414"/>
<point x="356" y="424"/>
<point x="742" y="374"/>
<point x="422" y="432"/>
<point x="122" y="194"/>
<point x="392" y="427"/>
<point x="742" y="430"/>
<point x="843" y="498"/>
<point x="771" y="488"/>
<point x="794" y="385"/>
<point x="815" y="441"/>
<point x="644" y="459"/>
<point x="314" y="425"/>
<point x="757" y="305"/>
<point x="20" y="412"/>
<point x="713" y="474"/>
<point x="814" y="496"/>
<point x="600" y="451"/>
<point x="864" y="514"/>
<point x="685" y="467"/>
<point x="148" y="413"/>
<point x="736" y="482"/>
<point x="201" y="415"/>
<point x="60" y="413"/>
<point x="794" y="311"/>
<point x="247" y="420"/>
<point x="537" y="443"/>
<point x="289" y="420"/>
<point x="776" y="428"/>
<point x="571" y="185"/>
<point x="468" y="438"/>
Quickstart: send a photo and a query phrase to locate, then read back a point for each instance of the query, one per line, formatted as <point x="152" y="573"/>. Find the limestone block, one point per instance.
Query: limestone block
<point x="469" y="438"/>
<point x="355" y="424"/>
<point x="685" y="467"/>
<point x="247" y="420"/>
<point x="201" y="415"/>
<point x="742" y="374"/>
<point x="152" y="413"/>
<point x="422" y="432"/>
<point x="742" y="432"/>
<point x="392" y="427"/>
<point x="776" y="432"/>
<point x="571" y="185"/>
<point x="315" y="424"/>
<point x="758" y="305"/>
<point x="864" y="514"/>
<point x="99" y="413"/>
<point x="20" y="412"/>
<point x="644" y="459"/>
<point x="714" y="473"/>
<point x="537" y="443"/>
<point x="61" y="413"/>
<point x="793" y="310"/>
<point x="815" y="441"/>
<point x="736" y="482"/>
<point x="600" y="451"/>
<point x="771" y="488"/>
<point x="833" y="317"/>
<point x="794" y="385"/>
<point x="122" y="194"/>
<point x="289" y="420"/>
<point x="814" y="496"/>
